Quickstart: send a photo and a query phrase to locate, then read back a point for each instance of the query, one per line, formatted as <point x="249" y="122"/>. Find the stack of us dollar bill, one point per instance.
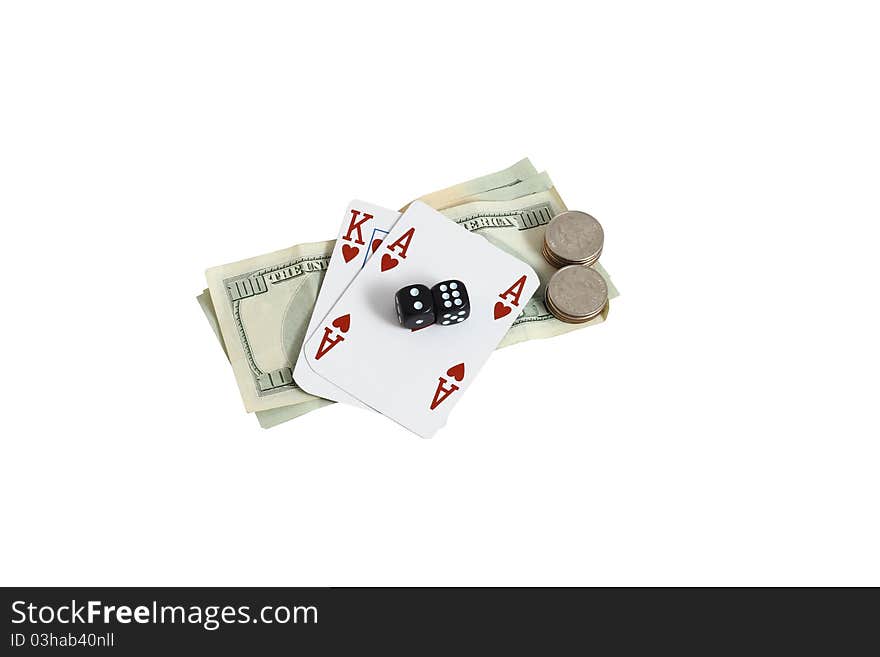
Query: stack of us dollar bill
<point x="267" y="300"/>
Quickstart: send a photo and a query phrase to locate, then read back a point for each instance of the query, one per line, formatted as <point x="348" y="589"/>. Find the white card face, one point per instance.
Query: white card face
<point x="416" y="377"/>
<point x="363" y="229"/>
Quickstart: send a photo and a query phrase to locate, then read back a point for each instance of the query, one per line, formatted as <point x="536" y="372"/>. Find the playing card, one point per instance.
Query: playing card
<point x="416" y="376"/>
<point x="363" y="228"/>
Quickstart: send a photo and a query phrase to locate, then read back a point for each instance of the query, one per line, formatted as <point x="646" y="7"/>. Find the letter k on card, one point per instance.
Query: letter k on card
<point x="354" y="236"/>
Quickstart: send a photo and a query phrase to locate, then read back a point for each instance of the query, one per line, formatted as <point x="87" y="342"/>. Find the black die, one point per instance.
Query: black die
<point x="415" y="306"/>
<point x="451" y="302"/>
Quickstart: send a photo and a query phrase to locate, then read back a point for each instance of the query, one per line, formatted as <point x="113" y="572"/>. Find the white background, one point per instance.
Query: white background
<point x="720" y="428"/>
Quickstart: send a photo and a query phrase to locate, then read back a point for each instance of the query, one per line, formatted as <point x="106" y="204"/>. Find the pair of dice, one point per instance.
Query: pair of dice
<point x="446" y="304"/>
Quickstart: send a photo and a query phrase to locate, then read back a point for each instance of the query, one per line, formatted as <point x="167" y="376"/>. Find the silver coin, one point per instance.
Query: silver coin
<point x="551" y="258"/>
<point x="576" y="293"/>
<point x="574" y="237"/>
<point x="569" y="319"/>
<point x="558" y="263"/>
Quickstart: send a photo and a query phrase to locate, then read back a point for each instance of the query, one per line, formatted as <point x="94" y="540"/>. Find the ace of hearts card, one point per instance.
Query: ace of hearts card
<point x="415" y="377"/>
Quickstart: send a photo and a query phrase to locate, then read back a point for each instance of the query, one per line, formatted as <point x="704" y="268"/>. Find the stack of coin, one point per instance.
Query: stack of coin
<point x="576" y="294"/>
<point x="573" y="238"/>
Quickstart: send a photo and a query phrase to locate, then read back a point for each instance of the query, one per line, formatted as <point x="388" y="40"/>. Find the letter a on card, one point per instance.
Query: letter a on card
<point x="515" y="291"/>
<point x="402" y="245"/>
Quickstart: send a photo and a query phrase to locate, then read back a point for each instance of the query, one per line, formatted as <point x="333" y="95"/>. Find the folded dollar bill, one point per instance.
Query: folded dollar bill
<point x="273" y="416"/>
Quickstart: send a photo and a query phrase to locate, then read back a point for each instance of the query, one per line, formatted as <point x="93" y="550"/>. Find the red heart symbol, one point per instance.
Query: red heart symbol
<point x="501" y="310"/>
<point x="342" y="323"/>
<point x="389" y="262"/>
<point x="456" y="372"/>
<point x="349" y="252"/>
<point x="376" y="243"/>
